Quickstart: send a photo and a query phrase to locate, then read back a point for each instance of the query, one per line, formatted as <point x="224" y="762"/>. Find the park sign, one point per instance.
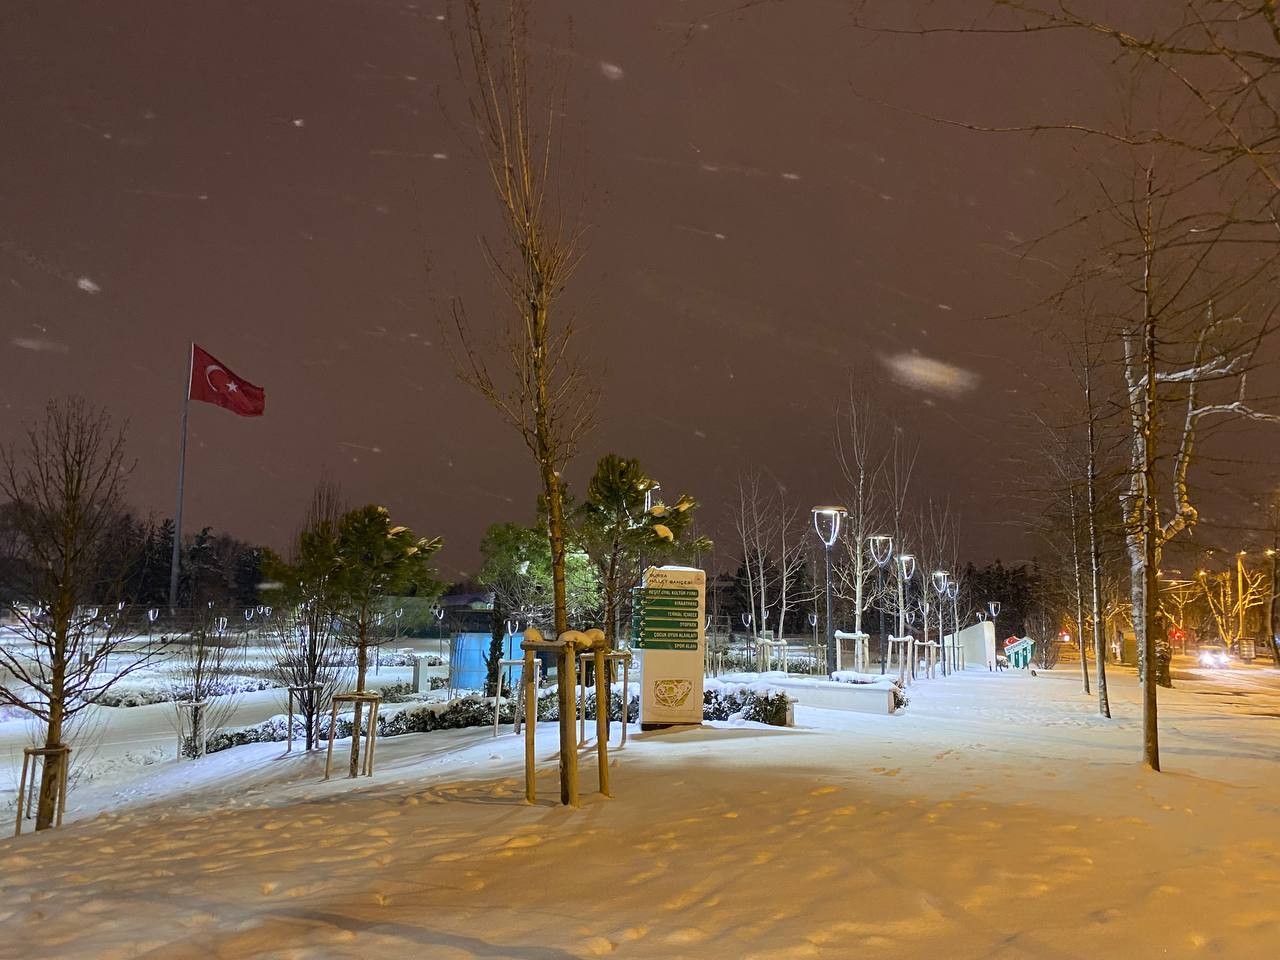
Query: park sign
<point x="670" y="636"/>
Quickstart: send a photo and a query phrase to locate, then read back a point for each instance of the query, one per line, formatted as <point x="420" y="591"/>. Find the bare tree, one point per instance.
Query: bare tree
<point x="1181" y="602"/>
<point x="308" y="654"/>
<point x="1208" y="382"/>
<point x="860" y="452"/>
<point x="791" y="526"/>
<point x="1211" y="69"/>
<point x="1230" y="595"/>
<point x="203" y="662"/>
<point x="899" y="466"/>
<point x="530" y="376"/>
<point x="66" y="481"/>
<point x="936" y="534"/>
<point x="1063" y="522"/>
<point x="755" y="521"/>
<point x="1093" y="522"/>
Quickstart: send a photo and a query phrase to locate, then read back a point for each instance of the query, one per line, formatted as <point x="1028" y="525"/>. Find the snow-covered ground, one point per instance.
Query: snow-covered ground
<point x="996" y="817"/>
<point x="109" y="744"/>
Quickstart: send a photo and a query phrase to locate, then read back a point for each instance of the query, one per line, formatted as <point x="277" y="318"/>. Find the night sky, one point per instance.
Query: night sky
<point x="291" y="185"/>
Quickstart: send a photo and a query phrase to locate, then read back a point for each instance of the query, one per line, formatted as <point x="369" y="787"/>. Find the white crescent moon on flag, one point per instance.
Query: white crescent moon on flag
<point x="207" y="370"/>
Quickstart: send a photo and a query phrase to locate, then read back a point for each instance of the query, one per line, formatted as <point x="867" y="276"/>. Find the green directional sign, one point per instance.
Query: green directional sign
<point x="681" y="592"/>
<point x="644" y="644"/>
<point x="666" y="618"/>
<point x="682" y="626"/>
<point x="661" y="613"/>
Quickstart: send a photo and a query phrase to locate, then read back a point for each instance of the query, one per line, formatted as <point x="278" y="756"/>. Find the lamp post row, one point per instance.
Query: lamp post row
<point x="826" y="523"/>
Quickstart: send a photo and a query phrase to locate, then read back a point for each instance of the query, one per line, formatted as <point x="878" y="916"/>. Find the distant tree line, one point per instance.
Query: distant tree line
<point x="134" y="564"/>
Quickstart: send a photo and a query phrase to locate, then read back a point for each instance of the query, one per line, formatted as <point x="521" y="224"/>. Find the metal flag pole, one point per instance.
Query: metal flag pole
<point x="182" y="472"/>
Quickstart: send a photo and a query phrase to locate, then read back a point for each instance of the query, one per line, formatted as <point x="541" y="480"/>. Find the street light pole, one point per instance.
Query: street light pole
<point x="1240" y="595"/>
<point x="906" y="570"/>
<point x="1271" y="603"/>
<point x="881" y="549"/>
<point x="953" y="591"/>
<point x="941" y="580"/>
<point x="826" y="524"/>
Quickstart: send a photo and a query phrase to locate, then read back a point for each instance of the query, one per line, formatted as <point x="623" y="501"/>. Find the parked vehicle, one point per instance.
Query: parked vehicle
<point x="1213" y="656"/>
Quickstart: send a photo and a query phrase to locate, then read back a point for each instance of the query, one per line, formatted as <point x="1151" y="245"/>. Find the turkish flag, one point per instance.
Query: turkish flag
<point x="213" y="382"/>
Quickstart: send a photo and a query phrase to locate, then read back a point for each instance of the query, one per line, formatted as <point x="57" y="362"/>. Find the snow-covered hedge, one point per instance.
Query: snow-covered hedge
<point x="722" y="701"/>
<point x="744" y="701"/>
<point x="388" y="658"/>
<point x="875" y="680"/>
<point x="140" y="692"/>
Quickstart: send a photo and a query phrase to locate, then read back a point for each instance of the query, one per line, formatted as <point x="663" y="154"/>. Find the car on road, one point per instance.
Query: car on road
<point x="1213" y="656"/>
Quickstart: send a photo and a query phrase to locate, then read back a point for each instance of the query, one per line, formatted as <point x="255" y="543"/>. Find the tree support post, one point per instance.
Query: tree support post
<point x="602" y="719"/>
<point x="371" y="736"/>
<point x="62" y="756"/>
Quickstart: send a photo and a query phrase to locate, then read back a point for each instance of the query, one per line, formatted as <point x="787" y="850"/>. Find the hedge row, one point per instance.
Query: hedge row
<point x="721" y="701"/>
<point x="125" y="694"/>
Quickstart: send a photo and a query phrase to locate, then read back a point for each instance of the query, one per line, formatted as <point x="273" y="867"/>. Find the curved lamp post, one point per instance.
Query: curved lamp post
<point x="880" y="546"/>
<point x="906" y="569"/>
<point x="953" y="591"/>
<point x="941" y="582"/>
<point x="826" y="524"/>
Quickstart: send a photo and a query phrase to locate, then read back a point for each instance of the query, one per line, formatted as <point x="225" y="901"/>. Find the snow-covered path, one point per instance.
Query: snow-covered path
<point x="996" y="818"/>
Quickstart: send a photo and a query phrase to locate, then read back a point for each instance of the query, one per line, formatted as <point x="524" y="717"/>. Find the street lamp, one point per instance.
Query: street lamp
<point x="953" y="591"/>
<point x="941" y="581"/>
<point x="1240" y="593"/>
<point x="648" y="496"/>
<point x="826" y="523"/>
<point x="1271" y="604"/>
<point x="906" y="569"/>
<point x="880" y="547"/>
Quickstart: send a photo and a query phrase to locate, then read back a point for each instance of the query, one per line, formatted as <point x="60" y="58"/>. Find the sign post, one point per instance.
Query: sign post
<point x="669" y="624"/>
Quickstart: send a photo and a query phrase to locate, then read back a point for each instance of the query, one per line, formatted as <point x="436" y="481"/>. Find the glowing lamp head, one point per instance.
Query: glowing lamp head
<point x="906" y="565"/>
<point x="826" y="523"/>
<point x="881" y="547"/>
<point x="941" y="580"/>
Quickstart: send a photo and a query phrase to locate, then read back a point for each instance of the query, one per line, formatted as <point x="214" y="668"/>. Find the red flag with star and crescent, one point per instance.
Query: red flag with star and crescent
<point x="213" y="382"/>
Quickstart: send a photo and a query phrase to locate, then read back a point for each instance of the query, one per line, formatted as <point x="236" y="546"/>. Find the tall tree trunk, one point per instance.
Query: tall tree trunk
<point x="612" y="599"/>
<point x="1075" y="562"/>
<point x="1095" y="547"/>
<point x="52" y="766"/>
<point x="547" y="456"/>
<point x="1146" y="585"/>
<point x="362" y="665"/>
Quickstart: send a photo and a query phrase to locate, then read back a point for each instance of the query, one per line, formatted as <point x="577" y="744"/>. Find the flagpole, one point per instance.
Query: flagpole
<point x="182" y="472"/>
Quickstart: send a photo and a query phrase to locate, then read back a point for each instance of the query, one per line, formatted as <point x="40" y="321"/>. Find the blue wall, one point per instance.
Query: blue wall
<point x="466" y="665"/>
